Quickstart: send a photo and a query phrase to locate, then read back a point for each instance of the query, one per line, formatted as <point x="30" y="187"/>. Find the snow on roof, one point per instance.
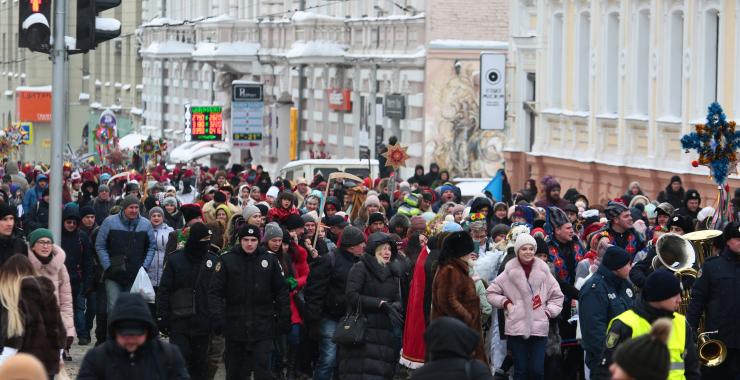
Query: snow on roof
<point x="33" y="88"/>
<point x="168" y="47"/>
<point x="315" y="49"/>
<point x="216" y="19"/>
<point x="107" y="24"/>
<point x="302" y="16"/>
<point x="160" y="21"/>
<point x="387" y="18"/>
<point x="420" y="52"/>
<point x="136" y="111"/>
<point x="84" y="96"/>
<point x="226" y="49"/>
<point x="468" y="44"/>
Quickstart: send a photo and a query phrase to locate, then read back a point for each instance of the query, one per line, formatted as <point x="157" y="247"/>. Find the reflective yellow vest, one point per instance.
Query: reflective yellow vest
<point x="676" y="341"/>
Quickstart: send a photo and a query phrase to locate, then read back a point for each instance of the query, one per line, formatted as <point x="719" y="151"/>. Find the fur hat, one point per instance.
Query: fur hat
<point x="684" y="222"/>
<point x="456" y="244"/>
<point x="376" y="217"/>
<point x="614" y="209"/>
<point x="294" y="221"/>
<point x="557" y="217"/>
<point x="191" y="211"/>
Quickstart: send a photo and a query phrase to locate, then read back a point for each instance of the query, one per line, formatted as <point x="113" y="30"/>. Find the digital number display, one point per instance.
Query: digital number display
<point x="206" y="123"/>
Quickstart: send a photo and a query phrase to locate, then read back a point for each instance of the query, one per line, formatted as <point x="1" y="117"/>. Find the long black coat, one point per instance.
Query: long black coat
<point x="248" y="296"/>
<point x="368" y="283"/>
<point x="186" y="270"/>
<point x="326" y="286"/>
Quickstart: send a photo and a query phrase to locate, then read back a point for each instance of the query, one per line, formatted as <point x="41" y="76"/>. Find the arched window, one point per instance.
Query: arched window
<point x="611" y="64"/>
<point x="556" y="67"/>
<point x="584" y="53"/>
<point x="642" y="62"/>
<point x="675" y="64"/>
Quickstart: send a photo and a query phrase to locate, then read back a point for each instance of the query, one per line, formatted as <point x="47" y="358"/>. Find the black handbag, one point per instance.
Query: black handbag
<point x="351" y="328"/>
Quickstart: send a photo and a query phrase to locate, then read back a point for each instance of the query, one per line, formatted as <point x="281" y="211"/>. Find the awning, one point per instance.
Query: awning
<point x="131" y="141"/>
<point x="194" y="150"/>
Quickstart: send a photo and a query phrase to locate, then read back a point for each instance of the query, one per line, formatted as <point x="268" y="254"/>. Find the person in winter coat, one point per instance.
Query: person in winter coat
<point x="172" y="216"/>
<point x="182" y="299"/>
<point x="691" y="204"/>
<point x="373" y="288"/>
<point x="48" y="259"/>
<point x="633" y="190"/>
<point x="249" y="303"/>
<point x="38" y="215"/>
<point x="418" y="176"/>
<point x="603" y="296"/>
<point x="125" y="243"/>
<point x="11" y="243"/>
<point x="133" y="350"/>
<point x="450" y="343"/>
<point x="32" y="323"/>
<point x="34" y="194"/>
<point x="325" y="297"/>
<point x="530" y="296"/>
<point x="453" y="290"/>
<point x="78" y="260"/>
<point x="552" y="194"/>
<point x="161" y="234"/>
<point x="673" y="193"/>
<point x="102" y="203"/>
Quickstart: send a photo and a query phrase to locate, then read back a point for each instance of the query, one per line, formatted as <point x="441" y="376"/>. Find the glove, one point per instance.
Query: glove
<point x="163" y="325"/>
<point x="292" y="283"/>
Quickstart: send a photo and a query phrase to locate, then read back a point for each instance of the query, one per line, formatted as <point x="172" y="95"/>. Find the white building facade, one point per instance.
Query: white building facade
<point x="352" y="57"/>
<point x="603" y="90"/>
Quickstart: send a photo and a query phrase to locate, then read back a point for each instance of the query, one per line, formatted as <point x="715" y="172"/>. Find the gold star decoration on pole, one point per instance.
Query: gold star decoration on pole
<point x="396" y="156"/>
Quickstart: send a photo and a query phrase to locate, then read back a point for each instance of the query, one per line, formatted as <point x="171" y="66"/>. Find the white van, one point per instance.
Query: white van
<point x="309" y="168"/>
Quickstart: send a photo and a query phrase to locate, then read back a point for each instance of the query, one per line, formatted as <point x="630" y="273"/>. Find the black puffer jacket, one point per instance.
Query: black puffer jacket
<point x="186" y="273"/>
<point x="153" y="360"/>
<point x="37" y="218"/>
<point x="449" y="343"/>
<point x="248" y="296"/>
<point x="368" y="284"/>
<point x="79" y="259"/>
<point x="326" y="286"/>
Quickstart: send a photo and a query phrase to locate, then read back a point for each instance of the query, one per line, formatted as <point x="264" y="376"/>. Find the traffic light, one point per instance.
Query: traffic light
<point x="91" y="29"/>
<point x="34" y="25"/>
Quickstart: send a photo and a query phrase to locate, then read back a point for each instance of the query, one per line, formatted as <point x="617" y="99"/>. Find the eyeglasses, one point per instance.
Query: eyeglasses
<point x="44" y="242"/>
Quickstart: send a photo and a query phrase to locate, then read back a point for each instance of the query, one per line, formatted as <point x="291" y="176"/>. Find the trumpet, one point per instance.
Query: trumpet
<point x="712" y="352"/>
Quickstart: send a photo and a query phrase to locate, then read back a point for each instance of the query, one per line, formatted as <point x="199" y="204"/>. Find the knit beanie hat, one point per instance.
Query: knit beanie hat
<point x="272" y="231"/>
<point x="646" y="357"/>
<point x="272" y="192"/>
<point x="6" y="210"/>
<point x="102" y="188"/>
<point x="310" y="217"/>
<point x="351" y="237"/>
<point x="156" y="210"/>
<point x="86" y="210"/>
<point x="375" y="217"/>
<point x="499" y="229"/>
<point x="250" y="211"/>
<point x="684" y="222"/>
<point x="293" y="221"/>
<point x="418" y="223"/>
<point x="198" y="231"/>
<point x="23" y="366"/>
<point x="522" y="240"/>
<point x="399" y="220"/>
<point x="128" y="201"/>
<point x="263" y="207"/>
<point x="660" y="285"/>
<point x="455" y="245"/>
<point x="38" y="234"/>
<point x="451" y="227"/>
<point x="372" y="200"/>
<point x="190" y="211"/>
<point x="615" y="257"/>
<point x="172" y="201"/>
<point x="219" y="197"/>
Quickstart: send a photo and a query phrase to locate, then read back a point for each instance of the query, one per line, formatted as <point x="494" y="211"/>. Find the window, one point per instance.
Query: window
<point x="611" y="62"/>
<point x="584" y="53"/>
<point x="675" y="62"/>
<point x="642" y="63"/>
<point x="711" y="39"/>
<point x="556" y="73"/>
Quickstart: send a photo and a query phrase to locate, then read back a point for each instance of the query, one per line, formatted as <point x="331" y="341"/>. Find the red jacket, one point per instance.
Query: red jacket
<point x="298" y="258"/>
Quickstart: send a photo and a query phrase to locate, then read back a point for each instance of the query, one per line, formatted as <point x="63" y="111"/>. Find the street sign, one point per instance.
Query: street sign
<point x="395" y="106"/>
<point x="492" y="90"/>
<point x="203" y="123"/>
<point x="247" y="114"/>
<point x="26" y="133"/>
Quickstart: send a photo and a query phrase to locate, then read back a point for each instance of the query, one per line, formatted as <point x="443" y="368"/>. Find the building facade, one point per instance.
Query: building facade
<point x="106" y="78"/>
<point x="602" y="91"/>
<point x="357" y="72"/>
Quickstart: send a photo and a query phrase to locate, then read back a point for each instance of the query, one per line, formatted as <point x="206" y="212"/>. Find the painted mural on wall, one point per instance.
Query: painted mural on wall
<point x="457" y="143"/>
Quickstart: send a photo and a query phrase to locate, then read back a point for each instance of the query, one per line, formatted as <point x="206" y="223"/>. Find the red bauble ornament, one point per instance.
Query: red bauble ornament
<point x="695" y="163"/>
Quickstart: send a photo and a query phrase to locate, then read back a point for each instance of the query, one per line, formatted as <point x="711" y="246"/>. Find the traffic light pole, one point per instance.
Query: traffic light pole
<point x="58" y="119"/>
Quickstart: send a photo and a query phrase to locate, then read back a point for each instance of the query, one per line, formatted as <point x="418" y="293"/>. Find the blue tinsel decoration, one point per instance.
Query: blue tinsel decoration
<point x="716" y="142"/>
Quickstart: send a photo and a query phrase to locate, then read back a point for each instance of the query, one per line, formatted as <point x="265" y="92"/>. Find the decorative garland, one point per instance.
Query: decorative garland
<point x="717" y="143"/>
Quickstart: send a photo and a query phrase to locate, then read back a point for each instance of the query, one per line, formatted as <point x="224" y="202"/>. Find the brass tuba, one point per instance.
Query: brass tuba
<point x="673" y="252"/>
<point x="702" y="242"/>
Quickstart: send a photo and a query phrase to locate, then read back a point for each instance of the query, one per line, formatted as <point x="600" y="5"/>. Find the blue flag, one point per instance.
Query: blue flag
<point x="495" y="187"/>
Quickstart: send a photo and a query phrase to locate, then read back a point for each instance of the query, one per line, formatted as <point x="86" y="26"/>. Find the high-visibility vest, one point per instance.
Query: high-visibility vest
<point x="676" y="341"/>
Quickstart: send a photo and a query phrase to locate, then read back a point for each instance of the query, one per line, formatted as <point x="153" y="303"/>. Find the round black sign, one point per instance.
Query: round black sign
<point x="493" y="76"/>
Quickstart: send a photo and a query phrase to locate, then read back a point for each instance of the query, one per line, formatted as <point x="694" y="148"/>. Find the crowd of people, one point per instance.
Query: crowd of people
<point x="382" y="279"/>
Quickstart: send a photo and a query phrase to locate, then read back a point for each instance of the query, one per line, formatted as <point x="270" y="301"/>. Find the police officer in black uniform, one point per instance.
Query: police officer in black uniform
<point x="249" y="303"/>
<point x="182" y="299"/>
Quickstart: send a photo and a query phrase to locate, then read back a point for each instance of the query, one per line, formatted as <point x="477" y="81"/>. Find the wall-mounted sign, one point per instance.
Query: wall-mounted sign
<point x="26" y="130"/>
<point x="492" y="91"/>
<point x="340" y="99"/>
<point x="395" y="106"/>
<point x="33" y="104"/>
<point x="247" y="114"/>
<point x="203" y="123"/>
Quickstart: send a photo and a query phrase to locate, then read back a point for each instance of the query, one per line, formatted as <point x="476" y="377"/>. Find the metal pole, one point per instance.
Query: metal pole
<point x="58" y="122"/>
<point x="299" y="105"/>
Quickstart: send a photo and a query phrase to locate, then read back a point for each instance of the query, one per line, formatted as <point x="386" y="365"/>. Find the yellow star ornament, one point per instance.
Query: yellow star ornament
<point x="396" y="156"/>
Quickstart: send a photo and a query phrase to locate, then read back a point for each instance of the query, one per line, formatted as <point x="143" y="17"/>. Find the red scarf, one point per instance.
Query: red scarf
<point x="527" y="267"/>
<point x="414" y="349"/>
